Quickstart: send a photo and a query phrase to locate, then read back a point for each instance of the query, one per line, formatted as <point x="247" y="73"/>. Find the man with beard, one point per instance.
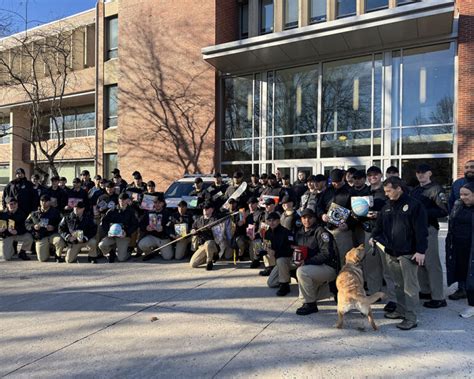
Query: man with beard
<point x="237" y="180"/>
<point x="274" y="188"/>
<point x="468" y="178"/>
<point x="21" y="189"/>
<point x="254" y="188"/>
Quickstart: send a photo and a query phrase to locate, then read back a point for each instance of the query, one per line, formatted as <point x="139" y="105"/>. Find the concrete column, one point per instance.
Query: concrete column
<point x="254" y="18"/>
<point x="392" y="3"/>
<point x="360" y="7"/>
<point x="331" y="10"/>
<point x="303" y="13"/>
<point x="278" y="15"/>
<point x="20" y="121"/>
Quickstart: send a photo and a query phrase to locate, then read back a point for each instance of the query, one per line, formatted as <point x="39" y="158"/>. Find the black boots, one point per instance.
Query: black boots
<point x="307" y="309"/>
<point x="284" y="289"/>
<point x="22" y="255"/>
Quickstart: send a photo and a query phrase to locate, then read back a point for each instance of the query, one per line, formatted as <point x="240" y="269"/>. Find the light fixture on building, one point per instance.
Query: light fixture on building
<point x="355" y="95"/>
<point x="422" y="85"/>
<point x="249" y="107"/>
<point x="298" y="100"/>
<point x="342" y="138"/>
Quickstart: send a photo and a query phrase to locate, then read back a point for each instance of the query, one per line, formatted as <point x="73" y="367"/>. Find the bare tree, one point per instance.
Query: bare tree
<point x="37" y="68"/>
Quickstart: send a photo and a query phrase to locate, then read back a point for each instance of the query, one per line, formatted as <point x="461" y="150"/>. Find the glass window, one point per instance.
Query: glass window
<point x="291" y="14"/>
<point x="442" y="171"/>
<point x="78" y="122"/>
<point x="403" y="2"/>
<point x="266" y="16"/>
<point x="347" y="95"/>
<point x="345" y="8"/>
<point x="372" y="5"/>
<point x="237" y="150"/>
<point x="111" y="106"/>
<point x="4" y="130"/>
<point x="427" y="140"/>
<point x="4" y="175"/>
<point x="244" y="19"/>
<point x="318" y="11"/>
<point x="238" y="102"/>
<point x="246" y="169"/>
<point x="428" y="85"/>
<point x="111" y="31"/>
<point x="110" y="162"/>
<point x="295" y="147"/>
<point x="345" y="145"/>
<point x="296" y="100"/>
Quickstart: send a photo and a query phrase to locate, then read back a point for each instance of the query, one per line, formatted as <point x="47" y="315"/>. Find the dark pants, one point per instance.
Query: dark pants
<point x="470" y="298"/>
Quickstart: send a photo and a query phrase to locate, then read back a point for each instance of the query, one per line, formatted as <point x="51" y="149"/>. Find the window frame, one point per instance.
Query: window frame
<point x="107" y="116"/>
<point x="110" y="52"/>
<point x="293" y="24"/>
<point x="261" y="26"/>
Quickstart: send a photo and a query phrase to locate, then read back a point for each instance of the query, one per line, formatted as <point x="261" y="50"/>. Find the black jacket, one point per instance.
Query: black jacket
<point x="162" y="218"/>
<point x="50" y="217"/>
<point x="341" y="196"/>
<point x="125" y="217"/>
<point x="320" y="244"/>
<point x="177" y="218"/>
<point x="23" y="191"/>
<point x="206" y="234"/>
<point x="433" y="197"/>
<point x="19" y="217"/>
<point x="402" y="226"/>
<point x="290" y="221"/>
<point x="281" y="240"/>
<point x="71" y="223"/>
<point x="58" y="196"/>
<point x="309" y="200"/>
<point x="81" y="195"/>
<point x="106" y="202"/>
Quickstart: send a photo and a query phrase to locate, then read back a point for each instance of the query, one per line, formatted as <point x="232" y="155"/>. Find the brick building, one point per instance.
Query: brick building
<point x="191" y="86"/>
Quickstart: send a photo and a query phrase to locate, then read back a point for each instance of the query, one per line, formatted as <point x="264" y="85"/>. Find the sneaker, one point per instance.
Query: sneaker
<point x="284" y="289"/>
<point x="150" y="256"/>
<point x="307" y="309"/>
<point x="424" y="296"/>
<point x="255" y="264"/>
<point x="390" y="307"/>
<point x="434" y="304"/>
<point x="468" y="312"/>
<point x="394" y="316"/>
<point x="92" y="260"/>
<point x="266" y="272"/>
<point x="458" y="295"/>
<point x="22" y="255"/>
<point x="407" y="325"/>
<point x="59" y="259"/>
<point x="209" y="266"/>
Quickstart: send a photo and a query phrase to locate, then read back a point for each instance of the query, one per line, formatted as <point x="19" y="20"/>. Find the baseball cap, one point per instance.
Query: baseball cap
<point x="116" y="171"/>
<point x="269" y="201"/>
<point x="424" y="167"/>
<point x="80" y="204"/>
<point x="55" y="178"/>
<point x="45" y="197"/>
<point x="182" y="203"/>
<point x="110" y="185"/>
<point x="136" y="175"/>
<point x="374" y="170"/>
<point x="198" y="180"/>
<point x="217" y="175"/>
<point x="12" y="200"/>
<point x="308" y="212"/>
<point x="359" y="174"/>
<point x="124" y="196"/>
<point x="252" y="200"/>
<point x="19" y="171"/>
<point x="286" y="199"/>
<point x="272" y="177"/>
<point x="76" y="180"/>
<point x="238" y="174"/>
<point x="85" y="172"/>
<point x="208" y="204"/>
<point x="337" y="175"/>
<point x="273" y="216"/>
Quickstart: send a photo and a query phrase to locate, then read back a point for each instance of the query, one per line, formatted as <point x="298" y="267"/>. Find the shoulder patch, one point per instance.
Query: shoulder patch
<point x="405" y="207"/>
<point x="442" y="197"/>
<point x="290" y="238"/>
<point x="325" y="237"/>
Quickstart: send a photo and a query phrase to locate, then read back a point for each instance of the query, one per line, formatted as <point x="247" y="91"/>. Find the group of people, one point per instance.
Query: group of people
<point x="301" y="230"/>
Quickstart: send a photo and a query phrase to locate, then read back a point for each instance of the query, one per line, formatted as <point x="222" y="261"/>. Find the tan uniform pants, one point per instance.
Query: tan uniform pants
<point x="430" y="276"/>
<point x="149" y="243"/>
<point x="6" y="245"/>
<point x="313" y="281"/>
<point x="344" y="243"/>
<point x="204" y="253"/>
<point x="376" y="270"/>
<point x="281" y="272"/>
<point x="108" y="243"/>
<point x="181" y="248"/>
<point x="405" y="274"/>
<point x="42" y="247"/>
<point x="73" y="250"/>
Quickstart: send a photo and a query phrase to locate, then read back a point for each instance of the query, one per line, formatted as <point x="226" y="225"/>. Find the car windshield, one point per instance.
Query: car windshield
<point x="180" y="189"/>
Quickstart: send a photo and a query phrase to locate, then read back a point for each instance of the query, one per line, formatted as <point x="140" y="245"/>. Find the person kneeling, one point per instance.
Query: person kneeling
<point x="319" y="267"/>
<point x="78" y="230"/>
<point x="278" y="241"/>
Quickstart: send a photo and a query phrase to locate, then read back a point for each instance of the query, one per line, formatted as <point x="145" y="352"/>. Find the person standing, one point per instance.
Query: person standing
<point x="57" y="195"/>
<point x="456" y="187"/>
<point x="86" y="183"/>
<point x="182" y="219"/>
<point x="460" y="248"/>
<point x="76" y="194"/>
<point x="402" y="227"/>
<point x="22" y="190"/>
<point x="434" y="199"/>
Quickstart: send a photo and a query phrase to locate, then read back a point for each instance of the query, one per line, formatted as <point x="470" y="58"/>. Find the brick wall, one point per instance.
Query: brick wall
<point x="465" y="83"/>
<point x="227" y="21"/>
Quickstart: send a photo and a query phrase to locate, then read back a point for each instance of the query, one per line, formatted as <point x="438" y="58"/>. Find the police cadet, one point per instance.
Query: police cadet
<point x="43" y="225"/>
<point x="349" y="176"/>
<point x="183" y="218"/>
<point x="239" y="239"/>
<point x="339" y="193"/>
<point x="38" y="188"/>
<point x="274" y="188"/>
<point x="359" y="188"/>
<point x="76" y="194"/>
<point x="299" y="186"/>
<point x="22" y="190"/>
<point x="118" y="225"/>
<point x="63" y="183"/>
<point x="433" y="197"/>
<point x="86" y="182"/>
<point x="263" y="181"/>
<point x="109" y="200"/>
<point x="136" y="189"/>
<point x="155" y="231"/>
<point x="199" y="192"/>
<point x="96" y="191"/>
<point x="402" y="227"/>
<point x="237" y="180"/>
<point x="278" y="248"/>
<point x="268" y="260"/>
<point x="120" y="184"/>
<point x="317" y="185"/>
<point x="208" y="248"/>
<point x="217" y="190"/>
<point x="289" y="219"/>
<point x="320" y="265"/>
<point x="78" y="230"/>
<point x="13" y="230"/>
<point x="458" y="183"/>
<point x="254" y="188"/>
<point x="252" y="223"/>
<point x="57" y="195"/>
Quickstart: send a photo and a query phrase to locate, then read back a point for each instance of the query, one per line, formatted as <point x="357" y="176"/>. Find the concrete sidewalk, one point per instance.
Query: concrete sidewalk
<point x="83" y="320"/>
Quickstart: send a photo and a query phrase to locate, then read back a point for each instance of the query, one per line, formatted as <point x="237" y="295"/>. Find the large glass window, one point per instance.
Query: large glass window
<point x="244" y="19"/>
<point x="77" y="122"/>
<point x="266" y="16"/>
<point x="345" y="8"/>
<point x="291" y="14"/>
<point x="403" y="2"/>
<point x="238" y="102"/>
<point x="5" y="128"/>
<point x="110" y="162"/>
<point x="372" y="5"/>
<point x="4" y="175"/>
<point x="111" y="106"/>
<point x="111" y="32"/>
<point x="297" y="147"/>
<point x="318" y="11"/>
<point x="296" y="100"/>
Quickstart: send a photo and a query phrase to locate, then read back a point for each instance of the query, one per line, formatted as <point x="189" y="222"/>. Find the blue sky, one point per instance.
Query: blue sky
<point x="40" y="11"/>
